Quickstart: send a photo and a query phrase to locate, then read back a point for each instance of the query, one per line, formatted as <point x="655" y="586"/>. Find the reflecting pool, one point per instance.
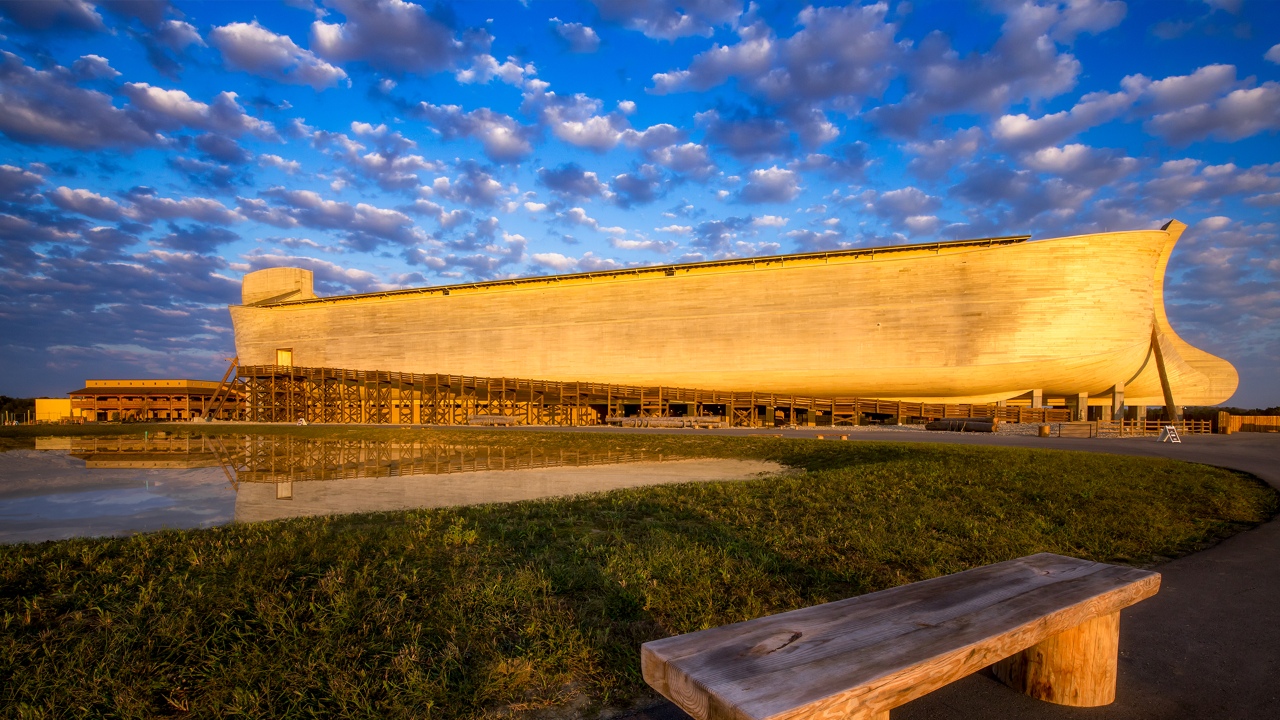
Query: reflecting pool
<point x="73" y="487"/>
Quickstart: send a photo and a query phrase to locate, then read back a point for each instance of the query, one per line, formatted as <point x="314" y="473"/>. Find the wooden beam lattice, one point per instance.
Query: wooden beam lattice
<point x="333" y="395"/>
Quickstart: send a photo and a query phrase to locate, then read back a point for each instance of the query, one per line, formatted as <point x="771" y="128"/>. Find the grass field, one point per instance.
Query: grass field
<point x="502" y="609"/>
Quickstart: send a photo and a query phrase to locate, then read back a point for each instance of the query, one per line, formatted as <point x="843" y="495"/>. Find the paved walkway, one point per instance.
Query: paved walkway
<point x="1206" y="646"/>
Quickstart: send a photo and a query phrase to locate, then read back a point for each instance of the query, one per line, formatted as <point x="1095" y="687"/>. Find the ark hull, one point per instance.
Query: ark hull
<point x="955" y="322"/>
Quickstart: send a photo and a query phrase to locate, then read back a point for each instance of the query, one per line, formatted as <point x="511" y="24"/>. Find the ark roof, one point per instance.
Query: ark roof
<point x="711" y="265"/>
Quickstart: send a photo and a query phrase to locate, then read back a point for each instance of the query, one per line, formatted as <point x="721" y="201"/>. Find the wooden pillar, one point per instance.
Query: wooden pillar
<point x="1117" y="401"/>
<point x="1076" y="667"/>
<point x="1037" y="398"/>
<point x="1079" y="406"/>
<point x="1172" y="411"/>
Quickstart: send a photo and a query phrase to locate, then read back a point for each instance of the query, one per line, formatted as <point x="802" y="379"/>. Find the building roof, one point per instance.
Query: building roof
<point x="136" y="390"/>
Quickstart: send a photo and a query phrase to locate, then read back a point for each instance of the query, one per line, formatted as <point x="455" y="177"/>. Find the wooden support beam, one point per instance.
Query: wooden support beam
<point x="1172" y="411"/>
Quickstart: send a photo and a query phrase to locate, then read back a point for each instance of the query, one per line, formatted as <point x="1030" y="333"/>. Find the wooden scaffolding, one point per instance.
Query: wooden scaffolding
<point x="283" y="393"/>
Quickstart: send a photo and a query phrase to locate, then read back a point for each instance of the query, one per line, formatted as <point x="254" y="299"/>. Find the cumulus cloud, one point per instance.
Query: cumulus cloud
<point x="504" y="140"/>
<point x="816" y="241"/>
<point x="771" y="185"/>
<point x="289" y="166"/>
<point x="18" y="185"/>
<point x="1273" y="54"/>
<point x="43" y="107"/>
<point x="578" y="216"/>
<point x="577" y="38"/>
<point x="773" y="221"/>
<point x="252" y="48"/>
<point x="395" y="36"/>
<point x="934" y="159"/>
<point x="909" y="208"/>
<point x="571" y="181"/>
<point x="719" y="235"/>
<point x="670" y="19"/>
<point x="473" y="187"/>
<point x="1165" y="97"/>
<point x="842" y="52"/>
<point x="1241" y="114"/>
<point x="1023" y="64"/>
<point x="689" y="159"/>
<point x="365" y="226"/>
<point x="222" y="149"/>
<point x="143" y="205"/>
<point x="197" y="239"/>
<point x="848" y="162"/>
<point x="639" y="187"/>
<point x="447" y="220"/>
<point x="54" y="15"/>
<point x="1082" y="164"/>
<point x="662" y="247"/>
<point x="174" y="109"/>
<point x="485" y="68"/>
<point x="94" y="67"/>
<point x="1178" y="182"/>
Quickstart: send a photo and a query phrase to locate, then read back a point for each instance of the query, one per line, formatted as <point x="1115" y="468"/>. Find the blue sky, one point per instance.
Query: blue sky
<point x="153" y="153"/>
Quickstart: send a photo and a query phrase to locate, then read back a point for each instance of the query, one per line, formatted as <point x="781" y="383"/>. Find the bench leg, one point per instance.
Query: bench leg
<point x="1076" y="667"/>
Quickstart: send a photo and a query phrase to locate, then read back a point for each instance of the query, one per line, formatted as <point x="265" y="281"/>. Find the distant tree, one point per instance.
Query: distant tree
<point x="18" y="406"/>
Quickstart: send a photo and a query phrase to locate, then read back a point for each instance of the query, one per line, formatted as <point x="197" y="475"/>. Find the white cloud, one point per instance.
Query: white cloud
<point x="289" y="166"/>
<point x="173" y="109"/>
<point x="771" y="185"/>
<point x="659" y="246"/>
<point x="577" y="37"/>
<point x="676" y="229"/>
<point x="252" y="48"/>
<point x="1273" y="54"/>
<point x="774" y="221"/>
<point x="504" y="139"/>
<point x="578" y="216"/>
<point x="485" y="68"/>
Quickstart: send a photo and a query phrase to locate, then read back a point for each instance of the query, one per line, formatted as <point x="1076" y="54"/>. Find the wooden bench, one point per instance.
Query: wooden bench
<point x="1049" y="624"/>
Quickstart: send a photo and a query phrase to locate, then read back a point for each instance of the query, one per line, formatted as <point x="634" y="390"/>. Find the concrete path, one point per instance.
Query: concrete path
<point x="1206" y="646"/>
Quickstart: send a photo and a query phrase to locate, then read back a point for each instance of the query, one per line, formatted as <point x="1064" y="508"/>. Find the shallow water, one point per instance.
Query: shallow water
<point x="77" y="487"/>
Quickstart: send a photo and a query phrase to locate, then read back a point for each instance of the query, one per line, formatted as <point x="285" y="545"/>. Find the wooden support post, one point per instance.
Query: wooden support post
<point x="1076" y="667"/>
<point x="1037" y="398"/>
<point x="1172" y="411"/>
<point x="1117" y="401"/>
<point x="1079" y="406"/>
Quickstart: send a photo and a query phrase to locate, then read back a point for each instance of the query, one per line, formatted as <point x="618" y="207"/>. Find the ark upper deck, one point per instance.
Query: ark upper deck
<point x="795" y="260"/>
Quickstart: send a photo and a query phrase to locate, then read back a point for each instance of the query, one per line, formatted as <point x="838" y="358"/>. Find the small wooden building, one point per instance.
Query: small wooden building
<point x="173" y="400"/>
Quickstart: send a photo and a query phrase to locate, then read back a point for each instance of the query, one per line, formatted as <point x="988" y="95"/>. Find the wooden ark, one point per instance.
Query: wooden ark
<point x="966" y="321"/>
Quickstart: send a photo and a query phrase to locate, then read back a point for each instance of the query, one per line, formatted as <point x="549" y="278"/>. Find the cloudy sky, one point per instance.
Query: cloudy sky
<point x="153" y="153"/>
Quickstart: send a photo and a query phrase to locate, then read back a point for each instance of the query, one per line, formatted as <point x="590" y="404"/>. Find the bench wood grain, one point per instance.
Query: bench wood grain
<point x="1053" y="620"/>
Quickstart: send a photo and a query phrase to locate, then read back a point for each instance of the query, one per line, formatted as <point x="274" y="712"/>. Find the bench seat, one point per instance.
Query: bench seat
<point x="1048" y="623"/>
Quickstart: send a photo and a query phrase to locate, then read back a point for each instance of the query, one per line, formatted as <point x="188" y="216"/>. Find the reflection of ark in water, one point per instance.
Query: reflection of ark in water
<point x="1078" y="319"/>
<point x="279" y="476"/>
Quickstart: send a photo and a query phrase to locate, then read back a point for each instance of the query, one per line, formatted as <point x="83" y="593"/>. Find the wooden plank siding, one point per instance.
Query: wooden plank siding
<point x="968" y="322"/>
<point x="1228" y="423"/>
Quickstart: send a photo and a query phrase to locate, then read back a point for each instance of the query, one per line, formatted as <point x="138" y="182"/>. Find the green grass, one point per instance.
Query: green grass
<point x="502" y="609"/>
